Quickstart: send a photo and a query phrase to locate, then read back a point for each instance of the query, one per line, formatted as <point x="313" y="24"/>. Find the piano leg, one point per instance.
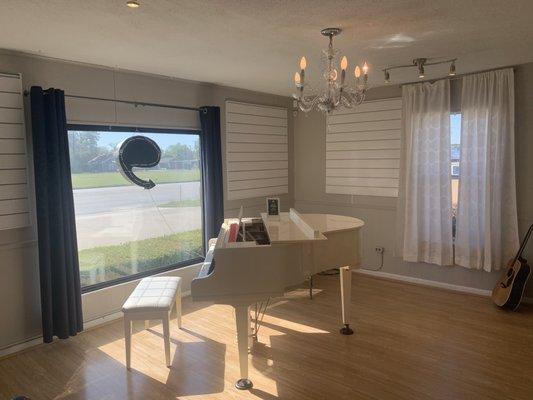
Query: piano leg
<point x="250" y="332"/>
<point x="242" y="319"/>
<point x="346" y="297"/>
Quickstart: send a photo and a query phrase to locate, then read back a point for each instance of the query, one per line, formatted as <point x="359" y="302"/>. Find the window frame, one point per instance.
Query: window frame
<point x="155" y="271"/>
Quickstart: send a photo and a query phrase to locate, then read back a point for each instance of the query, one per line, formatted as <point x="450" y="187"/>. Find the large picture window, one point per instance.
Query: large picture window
<point x="123" y="230"/>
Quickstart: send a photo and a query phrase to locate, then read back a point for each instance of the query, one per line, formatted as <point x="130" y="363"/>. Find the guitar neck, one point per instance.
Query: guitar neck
<point x="523" y="245"/>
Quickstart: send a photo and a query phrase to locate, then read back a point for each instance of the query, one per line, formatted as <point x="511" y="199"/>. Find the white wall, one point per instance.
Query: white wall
<point x="20" y="317"/>
<point x="379" y="213"/>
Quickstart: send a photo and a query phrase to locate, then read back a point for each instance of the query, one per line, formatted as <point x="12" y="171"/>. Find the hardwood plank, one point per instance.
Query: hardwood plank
<point x="410" y="342"/>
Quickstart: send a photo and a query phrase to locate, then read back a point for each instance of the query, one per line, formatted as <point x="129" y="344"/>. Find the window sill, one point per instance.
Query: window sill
<point x="133" y="277"/>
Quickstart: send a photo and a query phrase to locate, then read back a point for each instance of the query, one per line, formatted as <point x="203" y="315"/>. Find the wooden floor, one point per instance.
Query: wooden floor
<point x="410" y="342"/>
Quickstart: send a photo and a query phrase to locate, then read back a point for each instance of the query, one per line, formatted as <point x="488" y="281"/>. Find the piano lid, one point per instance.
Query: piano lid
<point x="290" y="227"/>
<point x="332" y="223"/>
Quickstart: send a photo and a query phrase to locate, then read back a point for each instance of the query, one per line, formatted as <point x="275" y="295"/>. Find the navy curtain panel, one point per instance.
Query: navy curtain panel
<point x="58" y="250"/>
<point x="211" y="171"/>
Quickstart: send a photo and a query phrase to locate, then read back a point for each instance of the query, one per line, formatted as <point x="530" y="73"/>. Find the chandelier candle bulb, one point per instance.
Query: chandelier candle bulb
<point x="297" y="79"/>
<point x="365" y="68"/>
<point x="303" y="63"/>
<point x="357" y="72"/>
<point x="344" y="63"/>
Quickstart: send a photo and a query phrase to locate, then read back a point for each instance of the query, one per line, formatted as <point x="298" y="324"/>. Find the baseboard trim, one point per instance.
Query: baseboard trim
<point x="19" y="347"/>
<point x="90" y="324"/>
<point x="427" y="282"/>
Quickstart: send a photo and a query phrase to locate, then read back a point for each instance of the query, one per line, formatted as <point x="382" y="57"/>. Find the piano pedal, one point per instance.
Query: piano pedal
<point x="346" y="330"/>
<point x="244" y="384"/>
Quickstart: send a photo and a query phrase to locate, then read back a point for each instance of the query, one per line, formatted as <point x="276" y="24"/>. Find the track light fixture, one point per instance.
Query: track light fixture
<point x="420" y="64"/>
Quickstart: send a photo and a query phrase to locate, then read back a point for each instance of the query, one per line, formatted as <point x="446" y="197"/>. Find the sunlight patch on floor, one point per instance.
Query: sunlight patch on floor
<point x="294" y="326"/>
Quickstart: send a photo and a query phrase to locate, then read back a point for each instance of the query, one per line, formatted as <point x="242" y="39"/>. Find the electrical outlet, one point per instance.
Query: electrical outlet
<point x="379" y="249"/>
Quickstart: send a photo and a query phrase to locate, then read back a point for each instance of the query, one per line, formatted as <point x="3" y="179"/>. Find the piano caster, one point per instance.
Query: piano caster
<point x="244" y="384"/>
<point x="346" y="330"/>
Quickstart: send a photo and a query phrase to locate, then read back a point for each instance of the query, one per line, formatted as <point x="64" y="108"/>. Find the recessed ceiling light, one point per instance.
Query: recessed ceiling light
<point x="133" y="4"/>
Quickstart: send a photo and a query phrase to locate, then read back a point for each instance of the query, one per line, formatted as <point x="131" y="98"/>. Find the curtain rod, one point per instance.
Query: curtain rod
<point x="454" y="77"/>
<point x="135" y="103"/>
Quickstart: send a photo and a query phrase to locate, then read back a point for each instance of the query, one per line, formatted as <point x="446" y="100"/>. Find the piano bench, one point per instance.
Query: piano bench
<point x="152" y="299"/>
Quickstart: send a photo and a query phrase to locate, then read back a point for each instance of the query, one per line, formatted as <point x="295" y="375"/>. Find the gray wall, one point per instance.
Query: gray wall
<point x="20" y="317"/>
<point x="379" y="213"/>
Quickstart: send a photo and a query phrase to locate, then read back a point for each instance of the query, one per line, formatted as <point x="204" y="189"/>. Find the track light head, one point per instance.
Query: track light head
<point x="451" y="72"/>
<point x="419" y="63"/>
<point x="387" y="76"/>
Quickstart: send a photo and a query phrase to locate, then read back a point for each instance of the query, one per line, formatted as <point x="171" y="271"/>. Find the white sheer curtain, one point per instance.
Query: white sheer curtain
<point x="487" y="232"/>
<point x="424" y="210"/>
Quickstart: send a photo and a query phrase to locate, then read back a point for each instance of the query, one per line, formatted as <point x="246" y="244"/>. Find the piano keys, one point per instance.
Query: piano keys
<point x="268" y="256"/>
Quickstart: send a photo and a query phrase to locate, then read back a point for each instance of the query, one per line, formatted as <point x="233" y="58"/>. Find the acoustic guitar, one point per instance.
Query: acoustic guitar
<point x="509" y="289"/>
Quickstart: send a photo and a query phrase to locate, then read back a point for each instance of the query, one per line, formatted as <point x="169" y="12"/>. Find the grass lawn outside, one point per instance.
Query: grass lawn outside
<point x="110" y="179"/>
<point x="104" y="263"/>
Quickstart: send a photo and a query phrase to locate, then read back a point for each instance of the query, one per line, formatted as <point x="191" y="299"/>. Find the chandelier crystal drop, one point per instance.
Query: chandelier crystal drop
<point x="336" y="92"/>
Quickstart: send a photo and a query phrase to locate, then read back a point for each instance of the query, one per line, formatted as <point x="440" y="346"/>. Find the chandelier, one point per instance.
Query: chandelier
<point x="336" y="91"/>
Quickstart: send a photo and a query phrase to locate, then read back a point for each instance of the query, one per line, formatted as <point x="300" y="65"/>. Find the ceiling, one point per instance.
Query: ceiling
<point x="256" y="44"/>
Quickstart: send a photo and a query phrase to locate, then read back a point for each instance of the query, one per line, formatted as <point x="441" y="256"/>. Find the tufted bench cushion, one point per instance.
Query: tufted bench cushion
<point x="153" y="294"/>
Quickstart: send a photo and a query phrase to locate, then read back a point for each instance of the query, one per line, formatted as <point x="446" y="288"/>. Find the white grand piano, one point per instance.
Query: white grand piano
<point x="255" y="259"/>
